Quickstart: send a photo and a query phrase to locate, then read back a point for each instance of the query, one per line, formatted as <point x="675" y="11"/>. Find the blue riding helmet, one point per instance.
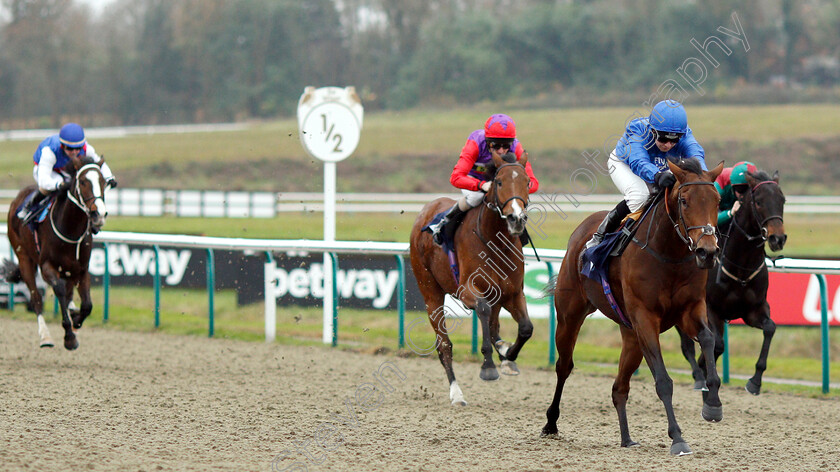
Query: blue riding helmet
<point x="72" y="135"/>
<point x="669" y="116"/>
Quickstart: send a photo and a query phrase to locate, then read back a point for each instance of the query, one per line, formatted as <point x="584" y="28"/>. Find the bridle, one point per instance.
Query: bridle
<point x="761" y="223"/>
<point x="496" y="205"/>
<point x="762" y="236"/>
<point x="75" y="196"/>
<point x="708" y="229"/>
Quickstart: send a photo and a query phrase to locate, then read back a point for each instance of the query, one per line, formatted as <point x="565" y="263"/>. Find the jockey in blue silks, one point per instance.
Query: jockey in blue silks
<point x="51" y="156"/>
<point x="640" y="160"/>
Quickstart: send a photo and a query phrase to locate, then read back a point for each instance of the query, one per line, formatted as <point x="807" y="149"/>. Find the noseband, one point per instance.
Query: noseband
<point x="708" y="230"/>
<point x="497" y="206"/>
<point x="761" y="223"/>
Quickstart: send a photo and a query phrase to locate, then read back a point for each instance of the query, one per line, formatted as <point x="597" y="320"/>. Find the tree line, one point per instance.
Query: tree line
<point x="171" y="61"/>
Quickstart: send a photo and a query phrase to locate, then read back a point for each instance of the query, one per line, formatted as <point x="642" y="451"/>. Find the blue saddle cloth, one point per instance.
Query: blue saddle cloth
<point x="595" y="264"/>
<point x="448" y="245"/>
<point x="41" y="210"/>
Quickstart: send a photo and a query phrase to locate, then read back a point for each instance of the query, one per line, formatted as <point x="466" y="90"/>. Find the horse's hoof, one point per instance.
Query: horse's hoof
<point x="631" y="443"/>
<point x="712" y="414"/>
<point x="700" y="385"/>
<point x="509" y="368"/>
<point x="71" y="343"/>
<point x="47" y="343"/>
<point x="753" y="388"/>
<point x="460" y="402"/>
<point x="549" y="432"/>
<point x="680" y="449"/>
<point x="489" y="374"/>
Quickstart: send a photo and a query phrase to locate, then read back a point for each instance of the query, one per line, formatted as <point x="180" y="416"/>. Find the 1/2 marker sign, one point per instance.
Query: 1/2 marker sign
<point x="330" y="122"/>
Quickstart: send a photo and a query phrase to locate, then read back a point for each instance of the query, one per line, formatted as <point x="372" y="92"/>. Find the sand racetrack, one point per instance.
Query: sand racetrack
<point x="139" y="401"/>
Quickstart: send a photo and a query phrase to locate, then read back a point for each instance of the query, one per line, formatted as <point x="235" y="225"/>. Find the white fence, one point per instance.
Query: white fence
<point x="215" y="204"/>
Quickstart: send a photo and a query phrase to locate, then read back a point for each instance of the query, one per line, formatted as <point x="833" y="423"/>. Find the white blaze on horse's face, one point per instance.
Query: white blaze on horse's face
<point x="98" y="196"/>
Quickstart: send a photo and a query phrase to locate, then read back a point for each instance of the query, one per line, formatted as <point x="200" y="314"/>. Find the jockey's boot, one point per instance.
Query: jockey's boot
<point x="610" y="223"/>
<point x="447" y="225"/>
<point x="25" y="214"/>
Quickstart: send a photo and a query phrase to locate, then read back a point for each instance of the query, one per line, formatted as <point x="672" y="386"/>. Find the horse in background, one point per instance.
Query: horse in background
<point x="60" y="246"/>
<point x="490" y="264"/>
<point x="737" y="285"/>
<point x="656" y="283"/>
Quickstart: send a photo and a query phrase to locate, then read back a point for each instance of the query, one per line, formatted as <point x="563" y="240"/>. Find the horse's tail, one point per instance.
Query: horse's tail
<point x="10" y="272"/>
<point x="548" y="290"/>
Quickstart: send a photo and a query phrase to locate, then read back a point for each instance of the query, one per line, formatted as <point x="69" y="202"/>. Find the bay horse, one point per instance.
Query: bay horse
<point x="60" y="246"/>
<point x="658" y="283"/>
<point x="737" y="285"/>
<point x="491" y="268"/>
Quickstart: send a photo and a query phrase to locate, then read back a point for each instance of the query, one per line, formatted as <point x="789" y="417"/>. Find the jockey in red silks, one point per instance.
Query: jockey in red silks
<point x="52" y="155"/>
<point x="496" y="139"/>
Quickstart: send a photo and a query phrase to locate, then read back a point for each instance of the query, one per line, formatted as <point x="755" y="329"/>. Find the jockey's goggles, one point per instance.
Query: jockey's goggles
<point x="667" y="137"/>
<point x="499" y="143"/>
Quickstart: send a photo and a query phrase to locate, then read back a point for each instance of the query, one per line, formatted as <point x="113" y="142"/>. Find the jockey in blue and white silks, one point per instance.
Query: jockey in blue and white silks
<point x="640" y="160"/>
<point x="52" y="154"/>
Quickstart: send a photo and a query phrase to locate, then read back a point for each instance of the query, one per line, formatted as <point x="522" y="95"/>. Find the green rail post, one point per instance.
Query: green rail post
<point x="824" y="330"/>
<point x="211" y="288"/>
<point x="725" y="360"/>
<point x="334" y="259"/>
<point x="401" y="300"/>
<point x="474" y="332"/>
<point x="106" y="285"/>
<point x="552" y="321"/>
<point x="157" y="286"/>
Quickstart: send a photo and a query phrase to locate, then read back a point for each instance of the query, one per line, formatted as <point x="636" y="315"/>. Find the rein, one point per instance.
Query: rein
<point x="762" y="236"/>
<point x="79" y="202"/>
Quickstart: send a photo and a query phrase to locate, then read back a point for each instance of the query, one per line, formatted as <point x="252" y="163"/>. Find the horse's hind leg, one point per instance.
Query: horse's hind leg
<point x="687" y="346"/>
<point x="769" y="327"/>
<point x="631" y="358"/>
<point x="28" y="271"/>
<point x="433" y="296"/>
<point x="571" y="312"/>
<point x="509" y="352"/>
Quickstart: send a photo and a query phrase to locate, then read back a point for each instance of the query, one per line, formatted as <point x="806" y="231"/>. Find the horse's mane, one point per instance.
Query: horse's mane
<point x="761" y="175"/>
<point x="691" y="164"/>
<point x="490" y="173"/>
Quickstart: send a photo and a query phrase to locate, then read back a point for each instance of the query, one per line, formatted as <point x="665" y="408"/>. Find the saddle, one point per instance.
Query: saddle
<point x="39" y="210"/>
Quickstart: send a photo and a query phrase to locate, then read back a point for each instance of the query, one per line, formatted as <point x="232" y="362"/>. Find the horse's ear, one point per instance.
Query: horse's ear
<point x="524" y="158"/>
<point x="101" y="160"/>
<point x="714" y="173"/>
<point x="776" y="176"/>
<point x="677" y="171"/>
<point x="77" y="162"/>
<point x="497" y="160"/>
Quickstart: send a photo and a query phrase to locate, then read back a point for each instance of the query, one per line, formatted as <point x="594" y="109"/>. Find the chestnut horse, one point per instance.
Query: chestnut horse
<point x="737" y="286"/>
<point x="491" y="269"/>
<point x="61" y="246"/>
<point x="658" y="283"/>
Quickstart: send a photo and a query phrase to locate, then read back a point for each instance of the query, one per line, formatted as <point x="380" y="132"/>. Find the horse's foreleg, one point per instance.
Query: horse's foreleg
<point x="769" y="327"/>
<point x="59" y="286"/>
<point x="687" y="346"/>
<point x="647" y="331"/>
<point x="631" y="358"/>
<point x="509" y="352"/>
<point x="484" y="312"/>
<point x="79" y="316"/>
<point x="712" y="407"/>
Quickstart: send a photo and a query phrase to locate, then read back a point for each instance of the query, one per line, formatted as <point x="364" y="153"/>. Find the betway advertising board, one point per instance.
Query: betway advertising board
<point x="371" y="282"/>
